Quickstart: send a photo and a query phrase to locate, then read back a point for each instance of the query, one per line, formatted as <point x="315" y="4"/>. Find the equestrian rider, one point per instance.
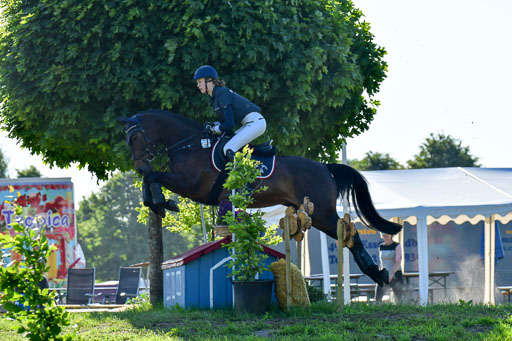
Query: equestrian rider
<point x="232" y="109"/>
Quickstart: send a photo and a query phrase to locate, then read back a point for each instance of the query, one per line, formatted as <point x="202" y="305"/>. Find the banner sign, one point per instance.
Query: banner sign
<point x="46" y="203"/>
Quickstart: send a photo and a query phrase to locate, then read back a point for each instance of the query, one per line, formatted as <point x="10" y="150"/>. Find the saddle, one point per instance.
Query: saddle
<point x="265" y="153"/>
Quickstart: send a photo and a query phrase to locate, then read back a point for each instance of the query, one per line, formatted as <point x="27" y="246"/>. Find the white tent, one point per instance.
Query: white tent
<point x="424" y="196"/>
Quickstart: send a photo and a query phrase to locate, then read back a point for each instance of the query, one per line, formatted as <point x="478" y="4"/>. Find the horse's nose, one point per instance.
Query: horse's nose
<point x="143" y="168"/>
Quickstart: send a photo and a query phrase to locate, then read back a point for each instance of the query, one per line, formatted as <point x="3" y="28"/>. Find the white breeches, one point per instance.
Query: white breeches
<point x="253" y="125"/>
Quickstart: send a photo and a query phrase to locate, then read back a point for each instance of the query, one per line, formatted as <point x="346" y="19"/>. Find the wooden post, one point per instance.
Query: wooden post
<point x="288" y="265"/>
<point x="156" y="279"/>
<point x="340" y="232"/>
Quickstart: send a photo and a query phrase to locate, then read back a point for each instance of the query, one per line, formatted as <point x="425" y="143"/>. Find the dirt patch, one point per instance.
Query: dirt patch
<point x="479" y="329"/>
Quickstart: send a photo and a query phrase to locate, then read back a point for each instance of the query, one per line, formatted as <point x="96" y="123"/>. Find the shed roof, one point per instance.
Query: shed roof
<point x="204" y="249"/>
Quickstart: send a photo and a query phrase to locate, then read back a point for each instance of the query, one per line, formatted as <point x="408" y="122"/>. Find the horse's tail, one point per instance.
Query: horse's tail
<point x="353" y="184"/>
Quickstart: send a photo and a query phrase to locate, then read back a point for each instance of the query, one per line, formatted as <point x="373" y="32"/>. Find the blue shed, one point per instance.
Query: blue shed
<point x="198" y="277"/>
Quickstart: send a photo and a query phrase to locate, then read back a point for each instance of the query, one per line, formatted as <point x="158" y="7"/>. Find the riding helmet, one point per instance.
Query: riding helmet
<point x="205" y="71"/>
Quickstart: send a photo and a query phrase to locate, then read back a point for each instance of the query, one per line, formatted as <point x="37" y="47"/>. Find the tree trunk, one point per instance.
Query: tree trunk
<point x="156" y="292"/>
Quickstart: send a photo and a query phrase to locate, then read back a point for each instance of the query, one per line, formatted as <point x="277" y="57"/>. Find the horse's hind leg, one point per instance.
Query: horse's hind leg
<point x="361" y="256"/>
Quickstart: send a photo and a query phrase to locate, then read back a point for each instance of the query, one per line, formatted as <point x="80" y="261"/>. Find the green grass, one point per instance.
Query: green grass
<point x="359" y="321"/>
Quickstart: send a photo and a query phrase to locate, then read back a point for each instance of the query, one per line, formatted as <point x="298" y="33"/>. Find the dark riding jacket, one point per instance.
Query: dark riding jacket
<point x="231" y="107"/>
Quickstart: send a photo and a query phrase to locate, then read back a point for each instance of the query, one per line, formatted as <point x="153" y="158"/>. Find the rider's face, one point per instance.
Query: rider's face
<point x="201" y="85"/>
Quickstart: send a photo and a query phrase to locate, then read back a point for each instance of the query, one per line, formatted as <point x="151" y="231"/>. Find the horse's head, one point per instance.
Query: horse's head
<point x="143" y="151"/>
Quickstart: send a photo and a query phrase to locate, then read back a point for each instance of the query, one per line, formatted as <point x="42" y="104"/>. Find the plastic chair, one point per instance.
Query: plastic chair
<point x="80" y="286"/>
<point x="128" y="287"/>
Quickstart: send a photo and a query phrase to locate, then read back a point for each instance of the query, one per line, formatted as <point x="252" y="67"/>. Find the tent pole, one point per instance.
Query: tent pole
<point x="325" y="266"/>
<point x="422" y="235"/>
<point x="489" y="255"/>
<point x="346" y="254"/>
<point x="493" y="258"/>
<point x="401" y="236"/>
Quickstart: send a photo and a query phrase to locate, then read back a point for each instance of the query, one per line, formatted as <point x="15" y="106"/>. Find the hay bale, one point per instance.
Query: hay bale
<point x="300" y="296"/>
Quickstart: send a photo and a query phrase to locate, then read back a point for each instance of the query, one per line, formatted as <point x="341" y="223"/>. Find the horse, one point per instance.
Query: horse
<point x="190" y="174"/>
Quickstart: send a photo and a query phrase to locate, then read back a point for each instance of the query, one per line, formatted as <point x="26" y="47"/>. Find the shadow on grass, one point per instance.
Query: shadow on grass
<point x="320" y="319"/>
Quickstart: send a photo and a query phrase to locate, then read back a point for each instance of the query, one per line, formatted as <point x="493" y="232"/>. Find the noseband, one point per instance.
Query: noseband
<point x="150" y="151"/>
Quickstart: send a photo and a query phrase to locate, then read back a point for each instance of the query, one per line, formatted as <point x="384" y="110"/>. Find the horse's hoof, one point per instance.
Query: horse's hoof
<point x="158" y="210"/>
<point x="171" y="205"/>
<point x="161" y="211"/>
<point x="384" y="275"/>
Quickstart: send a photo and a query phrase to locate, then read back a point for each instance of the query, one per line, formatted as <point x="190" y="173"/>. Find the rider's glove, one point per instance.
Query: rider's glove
<point x="208" y="129"/>
<point x="216" y="128"/>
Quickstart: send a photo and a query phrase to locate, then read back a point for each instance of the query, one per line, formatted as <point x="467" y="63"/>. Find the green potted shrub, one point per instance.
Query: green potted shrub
<point x="251" y="234"/>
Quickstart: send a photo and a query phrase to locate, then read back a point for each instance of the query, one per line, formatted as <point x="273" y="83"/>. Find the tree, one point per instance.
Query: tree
<point x="30" y="172"/>
<point x="443" y="151"/>
<point x="70" y="69"/>
<point x="375" y="161"/>
<point x="110" y="234"/>
<point x="3" y="165"/>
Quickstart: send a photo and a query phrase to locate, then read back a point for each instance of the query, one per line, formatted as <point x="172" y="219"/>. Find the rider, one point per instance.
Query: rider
<point x="233" y="111"/>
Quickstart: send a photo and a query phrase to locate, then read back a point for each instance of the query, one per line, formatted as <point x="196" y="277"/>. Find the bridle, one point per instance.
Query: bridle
<point x="151" y="151"/>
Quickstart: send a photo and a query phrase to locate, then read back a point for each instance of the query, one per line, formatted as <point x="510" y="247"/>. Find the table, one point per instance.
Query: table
<point x="61" y="293"/>
<point x="320" y="277"/>
<point x="104" y="291"/>
<point x="101" y="292"/>
<point x="435" y="277"/>
<point x="507" y="291"/>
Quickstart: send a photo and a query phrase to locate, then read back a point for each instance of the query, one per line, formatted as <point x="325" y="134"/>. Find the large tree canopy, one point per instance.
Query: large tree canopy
<point x="442" y="150"/>
<point x="29" y="172"/>
<point x="375" y="161"/>
<point x="70" y="69"/>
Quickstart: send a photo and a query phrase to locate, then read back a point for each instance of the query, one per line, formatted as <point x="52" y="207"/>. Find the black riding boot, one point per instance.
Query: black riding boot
<point x="366" y="264"/>
<point x="230" y="155"/>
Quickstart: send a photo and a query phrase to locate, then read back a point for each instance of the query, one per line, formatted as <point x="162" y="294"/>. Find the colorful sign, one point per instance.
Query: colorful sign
<point x="46" y="203"/>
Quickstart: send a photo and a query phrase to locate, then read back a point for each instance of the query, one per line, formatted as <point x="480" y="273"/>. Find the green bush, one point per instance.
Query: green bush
<point x="250" y="229"/>
<point x="35" y="309"/>
<point x="315" y="294"/>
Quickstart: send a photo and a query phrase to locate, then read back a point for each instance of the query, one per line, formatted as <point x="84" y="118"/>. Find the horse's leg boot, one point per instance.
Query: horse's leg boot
<point x="171" y="205"/>
<point x="366" y="264"/>
<point x="147" y="198"/>
<point x="158" y="210"/>
<point x="157" y="195"/>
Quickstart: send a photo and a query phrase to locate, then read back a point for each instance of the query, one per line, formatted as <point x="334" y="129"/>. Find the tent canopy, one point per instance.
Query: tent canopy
<point x="440" y="194"/>
<point x="458" y="193"/>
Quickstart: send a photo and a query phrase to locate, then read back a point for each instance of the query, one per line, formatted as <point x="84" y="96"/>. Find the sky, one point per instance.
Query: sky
<point x="449" y="71"/>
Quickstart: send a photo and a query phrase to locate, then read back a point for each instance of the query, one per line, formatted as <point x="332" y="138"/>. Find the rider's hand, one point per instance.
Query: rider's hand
<point x="216" y="128"/>
<point x="208" y="128"/>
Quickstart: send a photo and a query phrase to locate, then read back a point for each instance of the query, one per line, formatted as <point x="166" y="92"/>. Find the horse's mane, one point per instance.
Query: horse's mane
<point x="187" y="122"/>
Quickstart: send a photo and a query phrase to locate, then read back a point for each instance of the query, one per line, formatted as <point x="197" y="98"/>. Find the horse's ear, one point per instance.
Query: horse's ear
<point x="124" y="120"/>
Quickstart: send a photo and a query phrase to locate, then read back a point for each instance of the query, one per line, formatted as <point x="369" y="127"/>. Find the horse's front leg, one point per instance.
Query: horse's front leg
<point x="154" y="198"/>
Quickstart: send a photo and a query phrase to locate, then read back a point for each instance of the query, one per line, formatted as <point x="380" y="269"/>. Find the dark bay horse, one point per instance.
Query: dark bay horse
<point x="190" y="174"/>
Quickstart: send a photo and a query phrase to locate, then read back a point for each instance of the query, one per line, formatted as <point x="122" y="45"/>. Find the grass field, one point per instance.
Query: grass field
<point x="360" y="321"/>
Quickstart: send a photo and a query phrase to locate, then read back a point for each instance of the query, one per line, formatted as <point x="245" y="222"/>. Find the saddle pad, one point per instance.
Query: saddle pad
<point x="219" y="161"/>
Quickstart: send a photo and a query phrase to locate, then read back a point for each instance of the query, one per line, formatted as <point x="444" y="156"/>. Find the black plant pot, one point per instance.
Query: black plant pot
<point x="253" y="297"/>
